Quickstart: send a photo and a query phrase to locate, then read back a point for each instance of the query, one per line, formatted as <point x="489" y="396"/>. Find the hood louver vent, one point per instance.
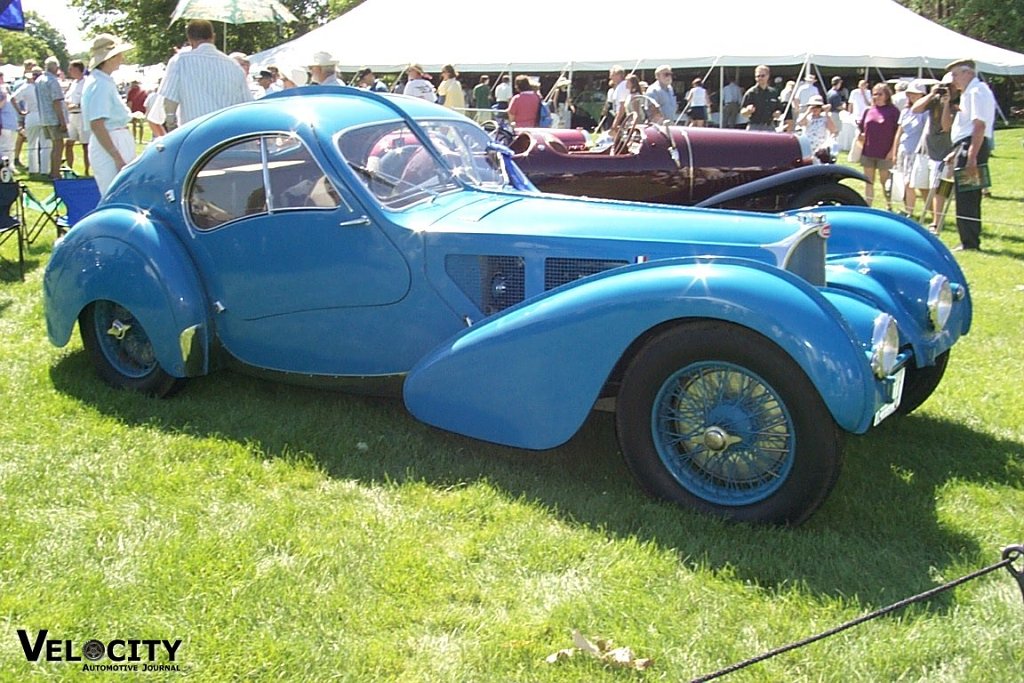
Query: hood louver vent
<point x="559" y="271"/>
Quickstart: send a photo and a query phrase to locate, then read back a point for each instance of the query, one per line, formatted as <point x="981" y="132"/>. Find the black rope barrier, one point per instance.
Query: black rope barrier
<point x="1010" y="555"/>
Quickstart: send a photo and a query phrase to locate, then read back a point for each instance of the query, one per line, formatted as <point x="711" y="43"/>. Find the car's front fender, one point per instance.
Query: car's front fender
<point x="529" y="376"/>
<point x="797" y="179"/>
<point x="121" y="255"/>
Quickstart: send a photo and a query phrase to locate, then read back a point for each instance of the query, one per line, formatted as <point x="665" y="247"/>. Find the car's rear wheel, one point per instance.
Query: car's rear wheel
<point x="827" y="194"/>
<point x="920" y="383"/>
<point x="121" y="351"/>
<point x="718" y="418"/>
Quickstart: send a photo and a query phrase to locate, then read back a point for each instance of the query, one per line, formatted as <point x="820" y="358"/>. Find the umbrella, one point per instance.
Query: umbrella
<point x="233" y="11"/>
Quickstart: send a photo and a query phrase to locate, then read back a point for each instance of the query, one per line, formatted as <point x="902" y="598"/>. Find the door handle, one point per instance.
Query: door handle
<point x="362" y="220"/>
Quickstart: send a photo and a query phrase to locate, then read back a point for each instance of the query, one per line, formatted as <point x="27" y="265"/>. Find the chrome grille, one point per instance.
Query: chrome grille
<point x="807" y="259"/>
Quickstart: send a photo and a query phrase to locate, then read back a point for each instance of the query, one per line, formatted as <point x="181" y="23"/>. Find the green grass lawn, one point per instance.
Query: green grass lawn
<point x="289" y="534"/>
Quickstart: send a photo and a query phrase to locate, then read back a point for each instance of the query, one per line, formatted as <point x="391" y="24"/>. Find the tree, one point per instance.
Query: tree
<point x="146" y="24"/>
<point x="993" y="21"/>
<point x="39" y="40"/>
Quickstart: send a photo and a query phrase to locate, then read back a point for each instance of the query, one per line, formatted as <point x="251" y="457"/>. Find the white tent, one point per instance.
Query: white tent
<point x="538" y="35"/>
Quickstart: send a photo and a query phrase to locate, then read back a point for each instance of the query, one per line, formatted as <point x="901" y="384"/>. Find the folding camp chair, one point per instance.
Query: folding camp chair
<point x="79" y="196"/>
<point x="12" y="226"/>
<point x="49" y="213"/>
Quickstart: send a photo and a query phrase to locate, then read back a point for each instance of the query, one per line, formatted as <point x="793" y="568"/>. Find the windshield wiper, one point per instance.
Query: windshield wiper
<point x="384" y="178"/>
<point x="403" y="188"/>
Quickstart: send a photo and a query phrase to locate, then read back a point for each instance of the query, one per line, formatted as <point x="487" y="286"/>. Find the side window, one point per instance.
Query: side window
<point x="229" y="186"/>
<point x="296" y="180"/>
<point x="232" y="183"/>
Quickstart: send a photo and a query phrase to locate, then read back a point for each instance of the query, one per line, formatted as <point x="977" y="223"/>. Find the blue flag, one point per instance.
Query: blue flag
<point x="11" y="15"/>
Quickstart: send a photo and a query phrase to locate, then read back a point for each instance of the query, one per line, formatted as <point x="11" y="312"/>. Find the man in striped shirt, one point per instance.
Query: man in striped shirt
<point x="203" y="79"/>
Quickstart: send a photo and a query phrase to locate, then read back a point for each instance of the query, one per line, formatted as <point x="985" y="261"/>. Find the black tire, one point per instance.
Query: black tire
<point x="828" y="194"/>
<point x="121" y="351"/>
<point x="763" y="446"/>
<point x="920" y="383"/>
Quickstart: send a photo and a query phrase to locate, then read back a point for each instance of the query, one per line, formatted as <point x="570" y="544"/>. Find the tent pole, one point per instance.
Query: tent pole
<point x="721" y="97"/>
<point x="568" y="99"/>
<point x="799" y="77"/>
<point x="999" y="110"/>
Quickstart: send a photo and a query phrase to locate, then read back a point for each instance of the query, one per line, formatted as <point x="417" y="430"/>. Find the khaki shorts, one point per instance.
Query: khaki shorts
<point x="55" y="133"/>
<point x="874" y="162"/>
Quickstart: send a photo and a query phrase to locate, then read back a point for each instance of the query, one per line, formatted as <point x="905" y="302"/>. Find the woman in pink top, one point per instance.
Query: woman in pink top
<point x="524" y="108"/>
<point x="878" y="126"/>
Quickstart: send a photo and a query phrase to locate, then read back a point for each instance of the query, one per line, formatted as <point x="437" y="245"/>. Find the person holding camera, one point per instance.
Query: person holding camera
<point x="971" y="132"/>
<point x="937" y="104"/>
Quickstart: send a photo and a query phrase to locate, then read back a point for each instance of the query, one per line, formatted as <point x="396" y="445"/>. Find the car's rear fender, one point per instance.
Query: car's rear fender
<point x="121" y="255"/>
<point x="529" y="376"/>
<point x="786" y="183"/>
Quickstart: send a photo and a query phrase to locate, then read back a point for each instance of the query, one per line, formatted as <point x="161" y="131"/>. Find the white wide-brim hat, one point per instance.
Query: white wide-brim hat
<point x="104" y="47"/>
<point x="323" y="59"/>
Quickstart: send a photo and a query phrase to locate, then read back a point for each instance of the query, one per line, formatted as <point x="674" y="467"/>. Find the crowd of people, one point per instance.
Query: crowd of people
<point x="925" y="131"/>
<point x="936" y="135"/>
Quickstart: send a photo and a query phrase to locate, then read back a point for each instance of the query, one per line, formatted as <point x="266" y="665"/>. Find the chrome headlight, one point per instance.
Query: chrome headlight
<point x="940" y="301"/>
<point x="885" y="345"/>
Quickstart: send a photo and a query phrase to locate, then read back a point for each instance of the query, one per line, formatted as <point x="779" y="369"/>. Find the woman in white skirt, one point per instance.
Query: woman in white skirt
<point x="106" y="113"/>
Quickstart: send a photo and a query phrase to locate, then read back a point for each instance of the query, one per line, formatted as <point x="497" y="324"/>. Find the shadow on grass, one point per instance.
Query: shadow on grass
<point x="9" y="263"/>
<point x="878" y="537"/>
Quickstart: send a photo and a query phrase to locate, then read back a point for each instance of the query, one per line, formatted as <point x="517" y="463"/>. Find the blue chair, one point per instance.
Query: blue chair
<point x="11" y="227"/>
<point x="79" y="195"/>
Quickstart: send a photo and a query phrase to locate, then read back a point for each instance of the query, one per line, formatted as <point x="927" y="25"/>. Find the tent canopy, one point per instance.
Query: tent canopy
<point x="544" y="36"/>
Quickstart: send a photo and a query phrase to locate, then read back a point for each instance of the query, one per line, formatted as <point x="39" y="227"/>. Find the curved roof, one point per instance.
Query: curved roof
<point x="381" y="34"/>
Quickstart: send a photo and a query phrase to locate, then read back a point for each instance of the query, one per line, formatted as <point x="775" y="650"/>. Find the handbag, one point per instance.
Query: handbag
<point x="856" y="150"/>
<point x="921" y="164"/>
<point x="920" y="173"/>
<point x="544" y="118"/>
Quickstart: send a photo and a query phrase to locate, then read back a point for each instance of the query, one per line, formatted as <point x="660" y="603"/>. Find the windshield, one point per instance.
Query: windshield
<point x="396" y="168"/>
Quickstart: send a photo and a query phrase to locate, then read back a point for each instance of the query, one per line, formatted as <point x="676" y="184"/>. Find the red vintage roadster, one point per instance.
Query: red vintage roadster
<point x="737" y="169"/>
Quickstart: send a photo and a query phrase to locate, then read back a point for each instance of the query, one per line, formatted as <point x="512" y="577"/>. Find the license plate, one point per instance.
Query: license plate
<point x="897" y="394"/>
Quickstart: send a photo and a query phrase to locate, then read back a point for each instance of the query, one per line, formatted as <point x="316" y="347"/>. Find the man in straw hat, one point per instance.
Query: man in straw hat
<point x="972" y="131"/>
<point x="203" y="79"/>
<point x="321" y="69"/>
<point x="105" y="112"/>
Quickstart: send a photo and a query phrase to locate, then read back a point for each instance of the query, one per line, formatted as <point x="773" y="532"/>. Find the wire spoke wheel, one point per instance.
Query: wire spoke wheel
<point x="123" y="341"/>
<point x="121" y="351"/>
<point x="718" y="418"/>
<point x="723" y="433"/>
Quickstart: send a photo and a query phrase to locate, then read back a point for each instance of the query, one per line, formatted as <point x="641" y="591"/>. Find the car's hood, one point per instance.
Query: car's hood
<point x="642" y="229"/>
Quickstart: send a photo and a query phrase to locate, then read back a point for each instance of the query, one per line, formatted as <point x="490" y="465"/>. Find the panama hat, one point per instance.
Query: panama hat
<point x="323" y="59"/>
<point x="969" y="63"/>
<point x="104" y="47"/>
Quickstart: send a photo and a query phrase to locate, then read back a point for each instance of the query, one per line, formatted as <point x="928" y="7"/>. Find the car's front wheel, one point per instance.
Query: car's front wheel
<point x="827" y="194"/>
<point x="718" y="418"/>
<point x="921" y="383"/>
<point x="121" y="351"/>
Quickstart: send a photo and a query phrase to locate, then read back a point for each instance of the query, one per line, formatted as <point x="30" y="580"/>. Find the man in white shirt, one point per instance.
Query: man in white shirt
<point x="860" y="100"/>
<point x="971" y="133"/>
<point x="618" y="91"/>
<point x="321" y="69"/>
<point x="502" y="95"/>
<point x="732" y="95"/>
<point x="203" y="79"/>
<point x="77" y="130"/>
